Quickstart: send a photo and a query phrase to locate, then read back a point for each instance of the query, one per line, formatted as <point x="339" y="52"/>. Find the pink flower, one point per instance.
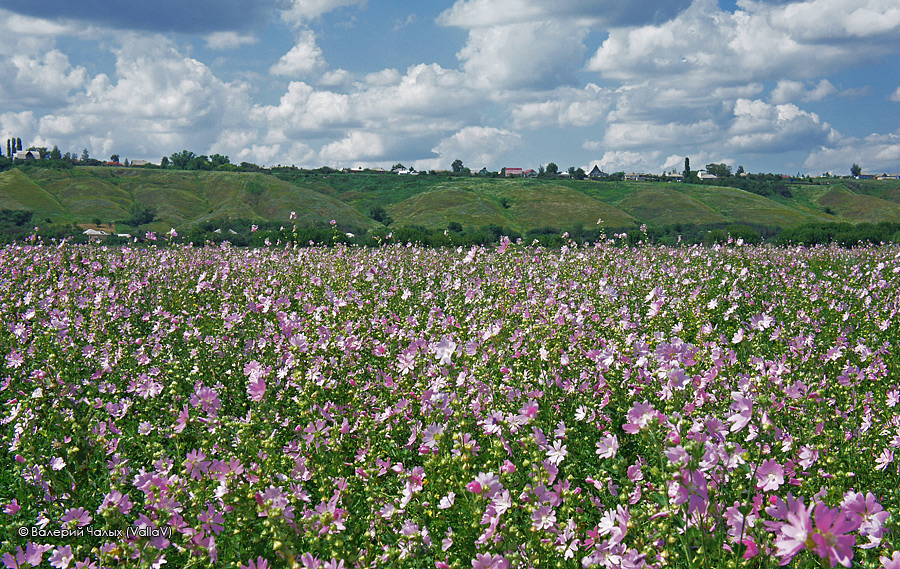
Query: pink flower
<point x="543" y="518"/>
<point x="792" y="535"/>
<point x="474" y="487"/>
<point x="11" y="508"/>
<point x="831" y="539"/>
<point x="260" y="563"/>
<point x="489" y="561"/>
<point x="76" y="517"/>
<point x="892" y="563"/>
<point x="196" y="464"/>
<point x="62" y="557"/>
<point x="639" y="417"/>
<point x="607" y="447"/>
<point x="770" y="475"/>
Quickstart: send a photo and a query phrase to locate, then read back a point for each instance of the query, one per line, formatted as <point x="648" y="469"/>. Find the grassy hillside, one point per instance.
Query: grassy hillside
<point x="178" y="198"/>
<point x="185" y="199"/>
<point x="517" y="204"/>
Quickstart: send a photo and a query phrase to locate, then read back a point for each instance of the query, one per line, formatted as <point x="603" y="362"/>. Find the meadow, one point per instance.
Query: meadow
<point x="485" y="407"/>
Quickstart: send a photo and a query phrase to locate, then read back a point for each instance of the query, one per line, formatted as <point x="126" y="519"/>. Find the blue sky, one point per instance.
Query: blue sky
<point x="808" y="86"/>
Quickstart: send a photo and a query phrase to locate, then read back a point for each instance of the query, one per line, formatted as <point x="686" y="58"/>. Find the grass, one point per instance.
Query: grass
<point x="860" y="208"/>
<point x="183" y="199"/>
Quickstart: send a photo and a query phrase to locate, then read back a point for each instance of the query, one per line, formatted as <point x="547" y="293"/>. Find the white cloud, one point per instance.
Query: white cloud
<point x="335" y="78"/>
<point x="710" y="47"/>
<point x="566" y="107"/>
<point x="895" y="96"/>
<point x="817" y="20"/>
<point x="629" y="161"/>
<point x="529" y="54"/>
<point x="761" y="127"/>
<point x="356" y="146"/>
<point x="229" y="40"/>
<point x="303" y="111"/>
<point x="477" y="146"/>
<point x="304" y="58"/>
<point x="787" y="91"/>
<point x="426" y="98"/>
<point x="46" y="80"/>
<point x="301" y="11"/>
<point x="652" y="134"/>
<point x="875" y="153"/>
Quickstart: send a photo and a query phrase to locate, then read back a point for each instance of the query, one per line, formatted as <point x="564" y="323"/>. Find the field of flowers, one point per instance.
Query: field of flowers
<point x="492" y="407"/>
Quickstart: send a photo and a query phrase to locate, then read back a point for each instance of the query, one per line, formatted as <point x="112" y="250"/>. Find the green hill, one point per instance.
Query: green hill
<point x="185" y="199"/>
<point x="178" y="198"/>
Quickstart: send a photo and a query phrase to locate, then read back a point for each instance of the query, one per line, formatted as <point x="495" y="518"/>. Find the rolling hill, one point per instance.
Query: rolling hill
<point x="183" y="199"/>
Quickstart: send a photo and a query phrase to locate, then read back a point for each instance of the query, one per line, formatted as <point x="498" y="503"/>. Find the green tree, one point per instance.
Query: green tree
<point x="552" y="169"/>
<point x="381" y="216"/>
<point x="114" y="158"/>
<point x="181" y="160"/>
<point x="218" y="160"/>
<point x="457" y="166"/>
<point x="855" y="170"/>
<point x="18" y="144"/>
<point x="164" y="163"/>
<point x="719" y="170"/>
<point x="55" y="154"/>
<point x="85" y="155"/>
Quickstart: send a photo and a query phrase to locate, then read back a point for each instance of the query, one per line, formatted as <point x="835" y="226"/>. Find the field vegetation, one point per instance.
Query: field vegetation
<point x="487" y="407"/>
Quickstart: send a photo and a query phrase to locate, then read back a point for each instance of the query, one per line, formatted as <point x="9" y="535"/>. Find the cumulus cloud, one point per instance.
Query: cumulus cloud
<point x="303" y="111"/>
<point x="539" y="54"/>
<point x="875" y="153"/>
<point x="566" y="107"/>
<point x="304" y="58"/>
<point x="42" y="81"/>
<point x="356" y="146"/>
<point x="629" y="161"/>
<point x="477" y="146"/>
<point x="711" y="47"/>
<point x="760" y="126"/>
<point x="787" y="91"/>
<point x="299" y="12"/>
<point x="895" y="96"/>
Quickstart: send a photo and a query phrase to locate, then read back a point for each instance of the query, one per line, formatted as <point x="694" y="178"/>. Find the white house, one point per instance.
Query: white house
<point x="27" y="155"/>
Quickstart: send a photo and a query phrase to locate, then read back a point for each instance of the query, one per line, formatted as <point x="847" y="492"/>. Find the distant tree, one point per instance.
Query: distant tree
<point x="114" y="158"/>
<point x="398" y="166"/>
<point x="55" y="154"/>
<point x="455" y="227"/>
<point x="719" y="170"/>
<point x="181" y="160"/>
<point x="579" y="174"/>
<point x="457" y="166"/>
<point x="541" y="172"/>
<point x="855" y="170"/>
<point x="218" y="160"/>
<point x="199" y="163"/>
<point x="687" y="168"/>
<point x="9" y="148"/>
<point x="18" y="144"/>
<point x="381" y="216"/>
<point x="740" y="171"/>
<point x="552" y="169"/>
<point x="164" y="163"/>
<point x="85" y="155"/>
